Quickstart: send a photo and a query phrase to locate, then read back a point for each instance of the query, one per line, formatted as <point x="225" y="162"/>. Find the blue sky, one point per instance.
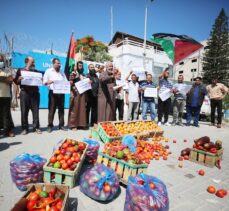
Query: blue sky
<point x="35" y="24"/>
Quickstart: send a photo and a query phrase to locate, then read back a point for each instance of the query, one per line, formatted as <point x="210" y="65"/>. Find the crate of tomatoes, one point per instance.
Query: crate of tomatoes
<point x="41" y="196"/>
<point x="65" y="163"/>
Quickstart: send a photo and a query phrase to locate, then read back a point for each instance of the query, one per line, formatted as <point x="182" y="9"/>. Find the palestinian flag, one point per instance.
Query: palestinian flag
<point x="70" y="60"/>
<point x="177" y="47"/>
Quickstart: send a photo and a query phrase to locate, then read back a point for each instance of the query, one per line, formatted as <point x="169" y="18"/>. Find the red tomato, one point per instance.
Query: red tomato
<point x="82" y="146"/>
<point x="186" y="157"/>
<point x="201" y="172"/>
<point x="33" y="196"/>
<point x="165" y="157"/>
<point x="64" y="145"/>
<point x="74" y="154"/>
<point x="106" y="188"/>
<point x="211" y="189"/>
<point x="70" y="162"/>
<point x="31" y="204"/>
<point x="152" y="186"/>
<point x="77" y="159"/>
<point x="53" y="159"/>
<point x="59" y="204"/>
<point x="47" y="200"/>
<point x="64" y="166"/>
<point x="66" y="157"/>
<point x="73" y="159"/>
<point x="220" y="193"/>
<point x="60" y="157"/>
<point x="54" y="208"/>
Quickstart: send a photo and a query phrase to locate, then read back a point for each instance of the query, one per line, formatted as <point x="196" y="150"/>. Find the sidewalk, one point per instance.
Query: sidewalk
<point x="186" y="189"/>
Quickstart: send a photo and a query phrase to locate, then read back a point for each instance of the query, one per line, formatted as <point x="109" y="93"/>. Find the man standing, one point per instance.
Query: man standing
<point x="29" y="98"/>
<point x="106" y="94"/>
<point x="148" y="102"/>
<point x="55" y="100"/>
<point x="179" y="102"/>
<point x="216" y="92"/>
<point x="92" y="101"/>
<point x="119" y="105"/>
<point x="164" y="106"/>
<point x="6" y="80"/>
<point x="132" y="97"/>
<point x="194" y="101"/>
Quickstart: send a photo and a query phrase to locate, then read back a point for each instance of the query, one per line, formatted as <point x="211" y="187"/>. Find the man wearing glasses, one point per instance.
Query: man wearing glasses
<point x="194" y="101"/>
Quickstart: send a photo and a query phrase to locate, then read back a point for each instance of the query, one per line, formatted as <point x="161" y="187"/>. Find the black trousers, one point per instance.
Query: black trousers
<point x="120" y="107"/>
<point x="6" y="121"/>
<point x="92" y="106"/>
<point x="29" y="101"/>
<point x="216" y="104"/>
<point x="55" y="101"/>
<point x="163" y="109"/>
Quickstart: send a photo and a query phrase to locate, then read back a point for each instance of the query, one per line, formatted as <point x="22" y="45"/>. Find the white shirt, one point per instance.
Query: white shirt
<point x="133" y="94"/>
<point x="4" y="87"/>
<point x="52" y="75"/>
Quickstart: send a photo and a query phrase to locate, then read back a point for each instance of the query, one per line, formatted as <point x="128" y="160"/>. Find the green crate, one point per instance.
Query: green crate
<point x="122" y="168"/>
<point x="63" y="176"/>
<point x="104" y="137"/>
<point x="95" y="134"/>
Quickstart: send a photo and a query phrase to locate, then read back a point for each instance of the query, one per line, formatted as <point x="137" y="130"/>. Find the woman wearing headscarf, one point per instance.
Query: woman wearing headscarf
<point x="77" y="111"/>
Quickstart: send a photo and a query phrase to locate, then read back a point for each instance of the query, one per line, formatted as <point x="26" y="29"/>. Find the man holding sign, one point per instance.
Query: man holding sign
<point x="29" y="96"/>
<point x="149" y="92"/>
<point x="56" y="99"/>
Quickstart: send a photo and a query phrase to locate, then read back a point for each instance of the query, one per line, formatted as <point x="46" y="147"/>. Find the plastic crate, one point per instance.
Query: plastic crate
<point x="122" y="168"/>
<point x="95" y="134"/>
<point x="60" y="176"/>
<point x="22" y="202"/>
<point x="205" y="158"/>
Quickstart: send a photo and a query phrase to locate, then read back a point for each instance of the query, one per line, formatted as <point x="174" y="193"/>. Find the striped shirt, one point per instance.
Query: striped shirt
<point x="164" y="84"/>
<point x="146" y="84"/>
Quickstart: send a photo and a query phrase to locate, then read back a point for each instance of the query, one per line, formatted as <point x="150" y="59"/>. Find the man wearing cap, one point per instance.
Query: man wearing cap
<point x="194" y="101"/>
<point x="216" y="92"/>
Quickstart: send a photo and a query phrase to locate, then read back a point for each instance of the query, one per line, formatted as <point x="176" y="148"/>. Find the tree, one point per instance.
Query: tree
<point x="216" y="57"/>
<point x="92" y="50"/>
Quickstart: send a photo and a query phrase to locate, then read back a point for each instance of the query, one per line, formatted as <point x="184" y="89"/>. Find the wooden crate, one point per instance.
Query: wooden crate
<point x="22" y="202"/>
<point x="63" y="176"/>
<point x="205" y="158"/>
<point x="103" y="135"/>
<point x="95" y="134"/>
<point x="122" y="168"/>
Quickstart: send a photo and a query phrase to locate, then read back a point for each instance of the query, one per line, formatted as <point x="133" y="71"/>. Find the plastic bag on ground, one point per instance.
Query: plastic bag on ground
<point x="26" y="169"/>
<point x="92" y="150"/>
<point x="146" y="193"/>
<point x="100" y="183"/>
<point x="129" y="141"/>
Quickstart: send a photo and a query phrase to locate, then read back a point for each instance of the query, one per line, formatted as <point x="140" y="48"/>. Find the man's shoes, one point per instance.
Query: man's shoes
<point x="218" y="126"/>
<point x="10" y="134"/>
<point x="37" y="130"/>
<point x="62" y="128"/>
<point x="49" y="130"/>
<point x="212" y="124"/>
<point x="196" y="125"/>
<point x="180" y="124"/>
<point x="159" y="123"/>
<point x="188" y="124"/>
<point x="167" y="124"/>
<point x="174" y="123"/>
<point x="24" y="132"/>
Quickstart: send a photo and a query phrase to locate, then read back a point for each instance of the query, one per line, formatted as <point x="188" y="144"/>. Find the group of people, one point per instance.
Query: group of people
<point x="108" y="94"/>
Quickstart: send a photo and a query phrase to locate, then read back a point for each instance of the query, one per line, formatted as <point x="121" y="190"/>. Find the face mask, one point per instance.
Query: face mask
<point x="1" y="64"/>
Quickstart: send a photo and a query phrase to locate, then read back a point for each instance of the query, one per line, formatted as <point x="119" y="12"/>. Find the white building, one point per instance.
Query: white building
<point x="127" y="52"/>
<point x="191" y="66"/>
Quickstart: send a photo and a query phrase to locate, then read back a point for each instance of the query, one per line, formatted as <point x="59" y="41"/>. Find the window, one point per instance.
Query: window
<point x="181" y="63"/>
<point x="193" y="70"/>
<point x="194" y="60"/>
<point x="181" y="72"/>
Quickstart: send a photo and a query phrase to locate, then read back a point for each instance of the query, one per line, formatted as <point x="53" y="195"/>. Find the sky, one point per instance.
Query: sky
<point x="38" y="24"/>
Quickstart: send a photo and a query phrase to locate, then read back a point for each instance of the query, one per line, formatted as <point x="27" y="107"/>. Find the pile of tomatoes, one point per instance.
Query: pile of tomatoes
<point x="110" y="129"/>
<point x="68" y="155"/>
<point x="219" y="193"/>
<point x="42" y="200"/>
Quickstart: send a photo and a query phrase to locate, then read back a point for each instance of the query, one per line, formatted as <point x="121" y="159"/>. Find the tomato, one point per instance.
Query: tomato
<point x="141" y="182"/>
<point x="106" y="188"/>
<point x="152" y="185"/>
<point x="165" y="157"/>
<point x="64" y="166"/>
<point x="54" y="208"/>
<point x="180" y="158"/>
<point x="186" y="157"/>
<point x="56" y="152"/>
<point x="82" y="146"/>
<point x="201" y="172"/>
<point x="62" y="162"/>
<point x="31" y="204"/>
<point x="70" y="162"/>
<point x="64" y="145"/>
<point x="174" y="141"/>
<point x="33" y="196"/>
<point x="59" y="204"/>
<point x="224" y="192"/>
<point x="47" y="200"/>
<point x="220" y="193"/>
<point x="211" y="189"/>
<point x="52" y="159"/>
<point x="66" y="157"/>
<point x="77" y="159"/>
<point x="60" y="157"/>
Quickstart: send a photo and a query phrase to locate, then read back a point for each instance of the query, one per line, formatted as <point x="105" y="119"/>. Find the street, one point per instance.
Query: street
<point x="186" y="189"/>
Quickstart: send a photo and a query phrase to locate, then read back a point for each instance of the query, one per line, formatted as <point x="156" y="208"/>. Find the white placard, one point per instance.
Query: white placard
<point x="140" y="74"/>
<point x="83" y="85"/>
<point x="166" y="94"/>
<point x="184" y="88"/>
<point x="61" y="87"/>
<point x="122" y="83"/>
<point x="150" y="92"/>
<point x="31" y="78"/>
